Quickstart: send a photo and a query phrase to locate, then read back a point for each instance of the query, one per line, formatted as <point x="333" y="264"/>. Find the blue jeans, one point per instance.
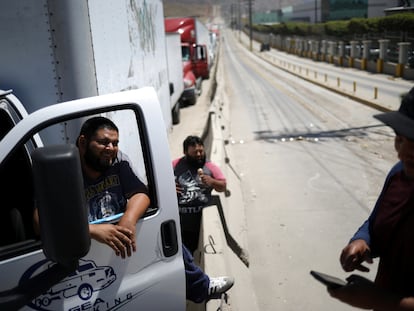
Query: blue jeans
<point x="196" y="280"/>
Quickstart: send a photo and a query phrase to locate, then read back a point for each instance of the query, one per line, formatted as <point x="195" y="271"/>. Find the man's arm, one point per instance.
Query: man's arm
<point x="217" y="181"/>
<point x="218" y="185"/>
<point x="135" y="209"/>
<point x="121" y="237"/>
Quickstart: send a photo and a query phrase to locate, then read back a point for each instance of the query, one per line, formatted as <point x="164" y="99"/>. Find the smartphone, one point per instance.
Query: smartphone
<point x="328" y="280"/>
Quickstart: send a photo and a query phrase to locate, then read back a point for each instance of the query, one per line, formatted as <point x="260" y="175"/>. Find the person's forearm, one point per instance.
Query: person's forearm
<point x="219" y="185"/>
<point x="93" y="233"/>
<point x="136" y="208"/>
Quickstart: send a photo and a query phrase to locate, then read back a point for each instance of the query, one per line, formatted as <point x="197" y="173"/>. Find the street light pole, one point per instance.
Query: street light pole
<point x="250" y="25"/>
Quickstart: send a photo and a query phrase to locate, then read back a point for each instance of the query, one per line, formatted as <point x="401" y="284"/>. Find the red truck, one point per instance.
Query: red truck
<point x="195" y="48"/>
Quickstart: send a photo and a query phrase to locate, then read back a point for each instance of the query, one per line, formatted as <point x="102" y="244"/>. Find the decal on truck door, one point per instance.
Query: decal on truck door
<point x="83" y="282"/>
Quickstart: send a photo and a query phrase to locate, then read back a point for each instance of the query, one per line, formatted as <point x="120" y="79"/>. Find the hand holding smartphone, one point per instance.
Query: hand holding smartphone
<point x="328" y="280"/>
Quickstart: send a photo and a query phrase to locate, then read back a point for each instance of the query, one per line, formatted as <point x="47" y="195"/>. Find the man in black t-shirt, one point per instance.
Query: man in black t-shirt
<point x="111" y="186"/>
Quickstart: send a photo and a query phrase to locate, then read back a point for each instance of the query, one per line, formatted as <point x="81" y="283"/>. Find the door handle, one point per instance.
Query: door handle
<point x="169" y="238"/>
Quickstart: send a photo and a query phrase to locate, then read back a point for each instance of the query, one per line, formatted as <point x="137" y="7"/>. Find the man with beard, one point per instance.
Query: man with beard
<point x="196" y="177"/>
<point x="111" y="187"/>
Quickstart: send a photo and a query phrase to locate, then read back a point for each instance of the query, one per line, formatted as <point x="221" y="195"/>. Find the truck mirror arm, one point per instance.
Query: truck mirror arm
<point x="16" y="298"/>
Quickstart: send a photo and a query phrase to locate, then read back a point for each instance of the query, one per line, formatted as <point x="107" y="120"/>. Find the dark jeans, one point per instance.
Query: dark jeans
<point x="196" y="280"/>
<point x="190" y="230"/>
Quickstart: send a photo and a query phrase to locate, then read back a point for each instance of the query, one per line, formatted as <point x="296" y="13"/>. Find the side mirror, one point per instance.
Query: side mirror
<point x="60" y="200"/>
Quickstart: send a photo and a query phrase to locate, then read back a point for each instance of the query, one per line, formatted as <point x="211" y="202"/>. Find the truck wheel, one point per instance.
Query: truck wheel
<point x="45" y="301"/>
<point x="176" y="114"/>
<point x="85" y="291"/>
<point x="42" y="302"/>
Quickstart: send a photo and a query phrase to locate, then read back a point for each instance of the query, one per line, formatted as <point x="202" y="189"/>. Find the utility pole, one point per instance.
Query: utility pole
<point x="250" y="25"/>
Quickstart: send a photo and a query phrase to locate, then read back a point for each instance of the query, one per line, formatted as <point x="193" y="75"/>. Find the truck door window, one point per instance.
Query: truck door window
<point x="16" y="190"/>
<point x="131" y="141"/>
<point x="16" y="176"/>
<point x="185" y="51"/>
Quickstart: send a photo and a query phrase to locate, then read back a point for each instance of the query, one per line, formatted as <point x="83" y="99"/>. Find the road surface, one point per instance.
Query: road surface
<point x="310" y="163"/>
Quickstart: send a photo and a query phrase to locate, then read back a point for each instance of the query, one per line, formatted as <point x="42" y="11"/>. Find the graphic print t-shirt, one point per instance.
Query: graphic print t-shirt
<point x="108" y="195"/>
<point x="195" y="193"/>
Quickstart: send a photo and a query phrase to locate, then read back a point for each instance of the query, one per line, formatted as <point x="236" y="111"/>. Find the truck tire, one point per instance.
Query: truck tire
<point x="176" y="113"/>
<point x="85" y="291"/>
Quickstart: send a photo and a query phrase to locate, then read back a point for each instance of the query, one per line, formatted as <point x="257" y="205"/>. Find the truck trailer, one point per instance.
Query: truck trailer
<point x="175" y="73"/>
<point x="195" y="43"/>
<point x="54" y="51"/>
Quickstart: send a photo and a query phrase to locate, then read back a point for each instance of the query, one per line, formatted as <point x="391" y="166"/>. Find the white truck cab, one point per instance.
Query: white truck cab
<point x="64" y="269"/>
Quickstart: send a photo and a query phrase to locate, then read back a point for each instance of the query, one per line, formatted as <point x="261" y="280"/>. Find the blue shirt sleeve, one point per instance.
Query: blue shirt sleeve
<point x="364" y="232"/>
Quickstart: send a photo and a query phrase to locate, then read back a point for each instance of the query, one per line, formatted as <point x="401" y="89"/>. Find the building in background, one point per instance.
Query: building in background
<point x="328" y="10"/>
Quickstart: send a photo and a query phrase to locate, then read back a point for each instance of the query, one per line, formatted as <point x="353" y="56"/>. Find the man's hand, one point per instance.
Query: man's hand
<point x="116" y="237"/>
<point x="131" y="226"/>
<point x="207" y="180"/>
<point x="218" y="185"/>
<point x="354" y="254"/>
<point x="178" y="187"/>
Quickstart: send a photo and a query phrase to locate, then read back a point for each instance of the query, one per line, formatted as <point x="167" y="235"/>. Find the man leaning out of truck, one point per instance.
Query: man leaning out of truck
<point x="101" y="161"/>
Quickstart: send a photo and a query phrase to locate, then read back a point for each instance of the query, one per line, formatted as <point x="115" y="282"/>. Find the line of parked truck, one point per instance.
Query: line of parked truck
<point x="197" y="53"/>
<point x="62" y="62"/>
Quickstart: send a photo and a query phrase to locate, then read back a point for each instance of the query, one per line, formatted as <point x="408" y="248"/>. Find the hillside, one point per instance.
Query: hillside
<point x="199" y="8"/>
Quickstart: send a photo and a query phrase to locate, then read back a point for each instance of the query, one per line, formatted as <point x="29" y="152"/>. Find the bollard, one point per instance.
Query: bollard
<point x="316" y="75"/>
<point x="354" y="86"/>
<point x="364" y="62"/>
<point x="375" y="92"/>
<point x="326" y="77"/>
<point x="380" y="65"/>
<point x="399" y="70"/>
<point x="338" y="82"/>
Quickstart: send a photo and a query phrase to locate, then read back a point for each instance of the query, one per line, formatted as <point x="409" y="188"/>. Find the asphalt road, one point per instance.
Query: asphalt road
<point x="311" y="164"/>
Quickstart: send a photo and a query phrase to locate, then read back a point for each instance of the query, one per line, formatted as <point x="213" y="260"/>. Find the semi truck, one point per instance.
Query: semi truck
<point x="64" y="269"/>
<point x="195" y="45"/>
<point x="54" y="51"/>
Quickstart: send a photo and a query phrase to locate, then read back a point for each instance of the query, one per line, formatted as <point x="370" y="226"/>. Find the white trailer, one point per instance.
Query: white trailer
<point x="175" y="73"/>
<point x="54" y="51"/>
<point x="203" y="37"/>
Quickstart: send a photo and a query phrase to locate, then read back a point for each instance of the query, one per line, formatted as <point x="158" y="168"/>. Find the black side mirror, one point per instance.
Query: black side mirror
<point x="61" y="204"/>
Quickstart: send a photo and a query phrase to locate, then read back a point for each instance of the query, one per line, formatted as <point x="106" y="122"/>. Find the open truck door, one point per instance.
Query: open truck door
<point x="65" y="270"/>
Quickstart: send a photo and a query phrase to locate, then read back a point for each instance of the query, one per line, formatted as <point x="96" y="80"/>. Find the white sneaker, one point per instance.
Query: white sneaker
<point x="219" y="285"/>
